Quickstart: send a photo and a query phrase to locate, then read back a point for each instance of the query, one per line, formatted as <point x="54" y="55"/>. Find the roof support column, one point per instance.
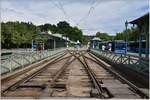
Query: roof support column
<point x="93" y="44"/>
<point x="67" y="44"/>
<point x="32" y="45"/>
<point x="147" y="46"/>
<point x="147" y="42"/>
<point x="140" y="45"/>
<point x="43" y="46"/>
<point x="54" y="44"/>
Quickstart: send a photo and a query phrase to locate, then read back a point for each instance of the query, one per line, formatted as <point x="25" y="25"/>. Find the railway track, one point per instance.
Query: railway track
<point x="72" y="74"/>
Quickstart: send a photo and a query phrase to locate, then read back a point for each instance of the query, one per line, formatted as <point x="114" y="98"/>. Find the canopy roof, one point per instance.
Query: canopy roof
<point x="57" y="35"/>
<point x="143" y="18"/>
<point x="96" y="39"/>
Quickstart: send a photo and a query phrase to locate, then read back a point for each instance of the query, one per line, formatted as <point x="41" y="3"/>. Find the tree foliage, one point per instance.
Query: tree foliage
<point x="103" y="36"/>
<point x="64" y="28"/>
<point x="130" y="34"/>
<point x="22" y="33"/>
<point x="17" y="33"/>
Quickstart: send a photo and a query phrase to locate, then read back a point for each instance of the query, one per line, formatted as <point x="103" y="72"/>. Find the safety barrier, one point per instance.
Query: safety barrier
<point x="16" y="60"/>
<point x="134" y="62"/>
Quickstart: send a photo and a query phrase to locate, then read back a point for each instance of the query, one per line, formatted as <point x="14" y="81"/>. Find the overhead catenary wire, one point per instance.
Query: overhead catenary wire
<point x="60" y="6"/>
<point x="94" y="4"/>
<point x="84" y="19"/>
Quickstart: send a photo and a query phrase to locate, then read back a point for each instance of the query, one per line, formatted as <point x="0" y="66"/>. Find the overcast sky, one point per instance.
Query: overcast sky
<point x="89" y="15"/>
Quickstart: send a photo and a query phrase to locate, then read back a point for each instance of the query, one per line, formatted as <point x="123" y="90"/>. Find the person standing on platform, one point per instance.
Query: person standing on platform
<point x="103" y="47"/>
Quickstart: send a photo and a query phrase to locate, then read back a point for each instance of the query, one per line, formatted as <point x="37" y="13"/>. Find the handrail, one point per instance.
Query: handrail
<point x="19" y="60"/>
<point x="134" y="62"/>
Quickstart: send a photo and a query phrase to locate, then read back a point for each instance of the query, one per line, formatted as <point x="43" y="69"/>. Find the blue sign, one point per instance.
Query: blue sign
<point x="121" y="51"/>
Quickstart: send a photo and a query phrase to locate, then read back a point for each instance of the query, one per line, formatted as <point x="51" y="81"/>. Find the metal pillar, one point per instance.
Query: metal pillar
<point x="54" y="44"/>
<point x="147" y="42"/>
<point x="43" y="46"/>
<point x="93" y="43"/>
<point x="140" y="40"/>
<point x="126" y="25"/>
<point x="32" y="45"/>
<point x="67" y="45"/>
<point x="140" y="45"/>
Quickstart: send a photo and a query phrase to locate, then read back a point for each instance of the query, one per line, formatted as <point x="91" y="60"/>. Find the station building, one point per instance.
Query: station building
<point x="52" y="41"/>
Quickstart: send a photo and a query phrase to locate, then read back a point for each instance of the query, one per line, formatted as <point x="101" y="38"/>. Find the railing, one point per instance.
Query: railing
<point x="15" y="61"/>
<point x="134" y="62"/>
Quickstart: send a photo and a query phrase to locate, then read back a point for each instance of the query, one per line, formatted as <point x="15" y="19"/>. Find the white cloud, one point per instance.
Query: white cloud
<point x="105" y="15"/>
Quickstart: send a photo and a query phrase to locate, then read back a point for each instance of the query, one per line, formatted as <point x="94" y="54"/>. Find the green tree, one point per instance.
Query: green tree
<point x="21" y="33"/>
<point x="6" y="30"/>
<point x="17" y="33"/>
<point x="119" y="36"/>
<point x="103" y="36"/>
<point x="63" y="28"/>
<point x="131" y="34"/>
<point x="17" y="38"/>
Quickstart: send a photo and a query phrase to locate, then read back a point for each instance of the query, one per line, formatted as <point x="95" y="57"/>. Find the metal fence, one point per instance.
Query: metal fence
<point x="134" y="62"/>
<point x="16" y="60"/>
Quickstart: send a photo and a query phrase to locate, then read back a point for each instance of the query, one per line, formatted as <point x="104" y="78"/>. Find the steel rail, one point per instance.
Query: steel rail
<point x="135" y="88"/>
<point x="90" y="74"/>
<point x="16" y="84"/>
<point x="59" y="72"/>
<point x="3" y="79"/>
<point x="94" y="79"/>
<point x="76" y="52"/>
<point x="48" y="91"/>
<point x="56" y="76"/>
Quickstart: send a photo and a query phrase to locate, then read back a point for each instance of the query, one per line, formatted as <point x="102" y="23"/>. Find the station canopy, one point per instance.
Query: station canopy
<point x="49" y="35"/>
<point x="96" y="39"/>
<point x="142" y="22"/>
<point x="141" y="19"/>
<point x="56" y="35"/>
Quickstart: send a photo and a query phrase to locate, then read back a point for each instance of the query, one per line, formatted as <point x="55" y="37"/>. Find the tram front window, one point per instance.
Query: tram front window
<point x="120" y="46"/>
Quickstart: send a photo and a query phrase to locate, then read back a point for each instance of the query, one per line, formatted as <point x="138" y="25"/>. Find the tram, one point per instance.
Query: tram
<point x="117" y="46"/>
<point x="134" y="46"/>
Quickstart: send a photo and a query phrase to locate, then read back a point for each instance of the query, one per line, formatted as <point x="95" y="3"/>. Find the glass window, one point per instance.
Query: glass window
<point x="120" y="46"/>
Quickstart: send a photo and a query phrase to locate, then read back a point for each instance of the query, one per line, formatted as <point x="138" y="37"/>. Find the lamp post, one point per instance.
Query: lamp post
<point x="126" y="25"/>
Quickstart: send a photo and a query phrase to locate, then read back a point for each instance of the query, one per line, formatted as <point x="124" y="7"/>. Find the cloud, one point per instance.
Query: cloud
<point x="90" y="15"/>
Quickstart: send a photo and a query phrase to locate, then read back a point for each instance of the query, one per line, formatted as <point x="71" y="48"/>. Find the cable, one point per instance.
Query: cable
<point x="84" y="18"/>
<point x="93" y="6"/>
<point x="61" y="8"/>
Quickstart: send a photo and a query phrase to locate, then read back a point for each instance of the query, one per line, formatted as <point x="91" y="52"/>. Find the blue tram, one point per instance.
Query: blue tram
<point x="117" y="46"/>
<point x="134" y="46"/>
<point x="120" y="46"/>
